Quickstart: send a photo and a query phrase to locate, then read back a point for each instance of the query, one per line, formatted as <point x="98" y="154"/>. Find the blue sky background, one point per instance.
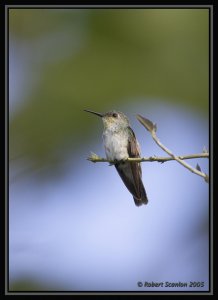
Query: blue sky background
<point x="83" y="231"/>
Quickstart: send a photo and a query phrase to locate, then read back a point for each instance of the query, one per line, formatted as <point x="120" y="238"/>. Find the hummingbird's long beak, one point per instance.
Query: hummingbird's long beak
<point x="95" y="113"/>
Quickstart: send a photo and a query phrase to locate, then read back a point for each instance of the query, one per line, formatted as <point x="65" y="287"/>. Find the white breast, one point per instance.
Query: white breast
<point x="115" y="146"/>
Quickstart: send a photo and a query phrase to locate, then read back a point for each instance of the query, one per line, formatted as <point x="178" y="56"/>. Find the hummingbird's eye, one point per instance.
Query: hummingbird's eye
<point x="115" y="115"/>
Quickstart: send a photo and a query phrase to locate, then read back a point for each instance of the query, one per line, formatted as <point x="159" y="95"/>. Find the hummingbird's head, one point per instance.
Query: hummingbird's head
<point x="113" y="120"/>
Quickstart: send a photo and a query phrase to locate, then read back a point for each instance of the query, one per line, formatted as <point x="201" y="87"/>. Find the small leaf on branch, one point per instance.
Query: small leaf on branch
<point x="198" y="167"/>
<point x="150" y="126"/>
<point x="205" y="150"/>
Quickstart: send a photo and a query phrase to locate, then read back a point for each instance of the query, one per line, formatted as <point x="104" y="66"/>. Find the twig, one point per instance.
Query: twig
<point x="152" y="128"/>
<point x="95" y="158"/>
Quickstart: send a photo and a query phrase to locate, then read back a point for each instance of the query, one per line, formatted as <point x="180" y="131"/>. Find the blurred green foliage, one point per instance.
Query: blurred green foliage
<point x="119" y="56"/>
<point x="29" y="284"/>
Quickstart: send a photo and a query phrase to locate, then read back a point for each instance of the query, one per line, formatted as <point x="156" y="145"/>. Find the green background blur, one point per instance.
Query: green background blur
<point x="108" y="57"/>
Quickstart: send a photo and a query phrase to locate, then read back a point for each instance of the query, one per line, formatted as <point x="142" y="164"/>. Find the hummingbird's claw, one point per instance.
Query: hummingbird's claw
<point x="114" y="162"/>
<point x="117" y="161"/>
<point x="122" y="161"/>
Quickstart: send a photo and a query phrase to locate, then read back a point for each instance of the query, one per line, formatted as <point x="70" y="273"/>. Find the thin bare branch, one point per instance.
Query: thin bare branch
<point x="152" y="128"/>
<point x="95" y="158"/>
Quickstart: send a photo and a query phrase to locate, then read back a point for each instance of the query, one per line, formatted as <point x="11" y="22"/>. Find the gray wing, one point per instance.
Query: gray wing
<point x="131" y="173"/>
<point x="134" y="151"/>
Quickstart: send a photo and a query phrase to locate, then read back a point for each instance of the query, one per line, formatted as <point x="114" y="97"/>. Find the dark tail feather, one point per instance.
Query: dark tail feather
<point x="134" y="184"/>
<point x="139" y="202"/>
<point x="143" y="196"/>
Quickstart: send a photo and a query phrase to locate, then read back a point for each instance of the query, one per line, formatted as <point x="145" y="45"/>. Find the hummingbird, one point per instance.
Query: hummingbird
<point x="120" y="143"/>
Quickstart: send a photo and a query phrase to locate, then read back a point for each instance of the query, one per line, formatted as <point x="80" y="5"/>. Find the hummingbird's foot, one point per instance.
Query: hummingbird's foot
<point x="114" y="162"/>
<point x="117" y="161"/>
<point x="122" y="161"/>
